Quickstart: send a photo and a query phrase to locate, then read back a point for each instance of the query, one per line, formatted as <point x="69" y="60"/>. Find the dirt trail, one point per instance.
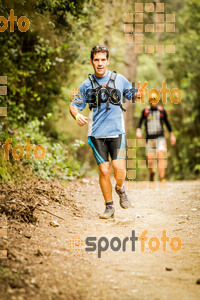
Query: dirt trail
<point x="42" y="265"/>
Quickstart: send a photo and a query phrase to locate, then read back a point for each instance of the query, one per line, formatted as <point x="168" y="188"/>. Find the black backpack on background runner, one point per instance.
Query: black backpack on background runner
<point x="102" y="94"/>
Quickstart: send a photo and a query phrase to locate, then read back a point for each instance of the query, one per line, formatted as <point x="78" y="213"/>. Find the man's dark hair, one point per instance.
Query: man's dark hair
<point x="98" y="49"/>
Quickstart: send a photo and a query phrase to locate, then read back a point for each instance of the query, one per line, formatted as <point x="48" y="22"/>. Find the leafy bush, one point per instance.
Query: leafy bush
<point x="60" y="160"/>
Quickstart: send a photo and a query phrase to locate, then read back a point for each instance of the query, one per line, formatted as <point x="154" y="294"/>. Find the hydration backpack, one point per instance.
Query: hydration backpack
<point x="102" y="94"/>
<point x="147" y="110"/>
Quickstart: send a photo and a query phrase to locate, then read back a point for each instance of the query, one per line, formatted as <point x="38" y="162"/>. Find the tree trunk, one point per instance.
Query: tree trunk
<point x="108" y="15"/>
<point x="131" y="61"/>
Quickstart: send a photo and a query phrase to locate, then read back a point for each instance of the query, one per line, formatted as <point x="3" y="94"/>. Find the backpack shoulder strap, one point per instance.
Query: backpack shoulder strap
<point x="161" y="109"/>
<point x="94" y="82"/>
<point x="111" y="81"/>
<point x="146" y="111"/>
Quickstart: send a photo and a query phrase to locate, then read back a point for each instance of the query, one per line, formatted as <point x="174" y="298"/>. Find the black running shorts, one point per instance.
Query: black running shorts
<point x="102" y="147"/>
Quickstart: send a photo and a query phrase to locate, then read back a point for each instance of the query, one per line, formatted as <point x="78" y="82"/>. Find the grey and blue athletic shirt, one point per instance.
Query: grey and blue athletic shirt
<point x="104" y="123"/>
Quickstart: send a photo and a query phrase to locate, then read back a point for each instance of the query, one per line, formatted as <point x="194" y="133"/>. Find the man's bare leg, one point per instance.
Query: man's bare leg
<point x="150" y="167"/>
<point x="119" y="172"/>
<point x="104" y="181"/>
<point x="161" y="164"/>
<point x="106" y="188"/>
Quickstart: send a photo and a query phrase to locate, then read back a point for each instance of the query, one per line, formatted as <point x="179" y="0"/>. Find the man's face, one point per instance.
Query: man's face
<point x="100" y="63"/>
<point x="152" y="104"/>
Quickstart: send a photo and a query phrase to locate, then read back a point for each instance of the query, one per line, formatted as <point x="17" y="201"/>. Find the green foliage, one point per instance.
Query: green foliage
<point x="60" y="8"/>
<point x="37" y="62"/>
<point x="185" y="73"/>
<point x="12" y="171"/>
<point x="32" y="87"/>
<point x="59" y="161"/>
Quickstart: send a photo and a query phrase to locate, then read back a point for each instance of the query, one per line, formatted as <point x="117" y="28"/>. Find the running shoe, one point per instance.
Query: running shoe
<point x="163" y="180"/>
<point x="108" y="213"/>
<point x="123" y="198"/>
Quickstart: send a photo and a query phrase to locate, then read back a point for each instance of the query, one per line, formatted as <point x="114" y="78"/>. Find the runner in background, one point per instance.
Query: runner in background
<point x="154" y="116"/>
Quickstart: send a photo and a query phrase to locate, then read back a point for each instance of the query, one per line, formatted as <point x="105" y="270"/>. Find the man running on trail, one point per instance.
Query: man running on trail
<point x="154" y="117"/>
<point x="103" y="91"/>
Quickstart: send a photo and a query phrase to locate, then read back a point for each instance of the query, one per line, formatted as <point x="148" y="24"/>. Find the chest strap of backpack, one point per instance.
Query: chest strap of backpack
<point x="111" y="84"/>
<point x="146" y="111"/>
<point x="111" y="81"/>
<point x="94" y="82"/>
<point x="161" y="109"/>
<point x="95" y="86"/>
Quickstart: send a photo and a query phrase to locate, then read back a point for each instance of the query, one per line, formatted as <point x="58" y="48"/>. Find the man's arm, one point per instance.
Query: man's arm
<point x="130" y="92"/>
<point x="169" y="127"/>
<point x="81" y="120"/>
<point x="138" y="130"/>
<point x="79" y="103"/>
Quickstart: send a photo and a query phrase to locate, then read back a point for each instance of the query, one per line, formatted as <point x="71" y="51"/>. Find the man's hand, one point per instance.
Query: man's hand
<point x="172" y="139"/>
<point x="81" y="120"/>
<point x="139" y="96"/>
<point x="138" y="133"/>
